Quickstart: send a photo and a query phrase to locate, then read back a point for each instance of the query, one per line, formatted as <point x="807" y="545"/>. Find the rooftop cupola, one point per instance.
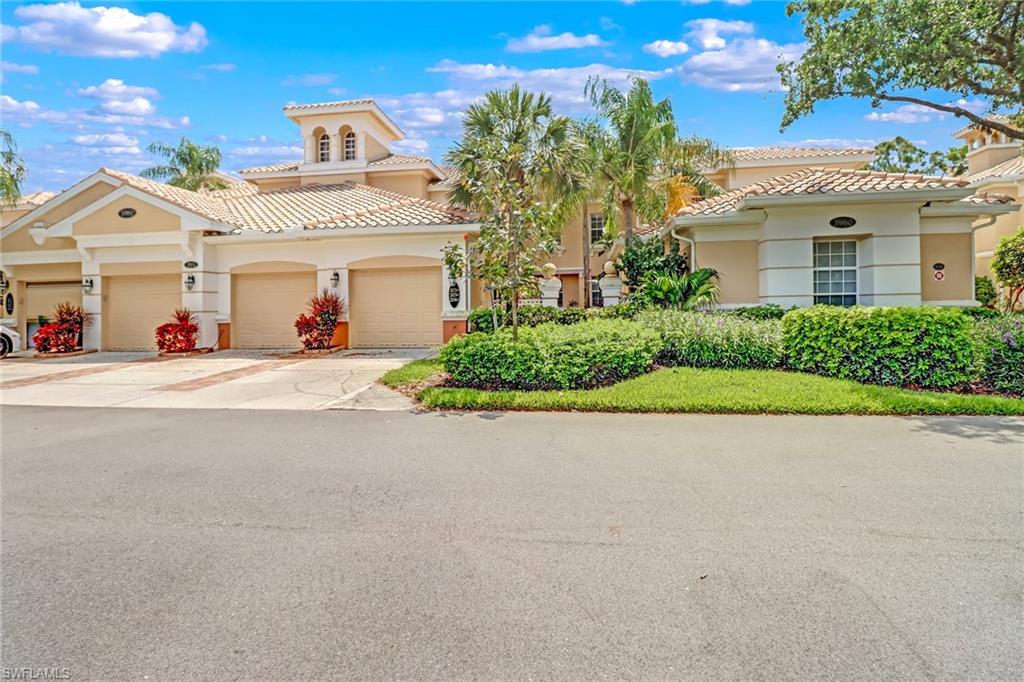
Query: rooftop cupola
<point x="346" y="134"/>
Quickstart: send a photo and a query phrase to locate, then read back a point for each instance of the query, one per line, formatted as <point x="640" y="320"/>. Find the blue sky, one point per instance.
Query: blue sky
<point x="91" y="85"/>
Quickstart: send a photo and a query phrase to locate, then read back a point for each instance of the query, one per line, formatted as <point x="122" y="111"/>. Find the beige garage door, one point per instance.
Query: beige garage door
<point x="41" y="298"/>
<point x="133" y="307"/>
<point x="264" y="307"/>
<point x="395" y="307"/>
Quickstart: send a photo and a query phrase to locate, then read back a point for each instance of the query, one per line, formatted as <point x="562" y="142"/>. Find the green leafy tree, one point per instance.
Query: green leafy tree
<point x="885" y="50"/>
<point x="985" y="292"/>
<point x="12" y="170"/>
<point x="687" y="291"/>
<point x="900" y="155"/>
<point x="647" y="254"/>
<point x="524" y="171"/>
<point x="1008" y="266"/>
<point x="631" y="138"/>
<point x="188" y="165"/>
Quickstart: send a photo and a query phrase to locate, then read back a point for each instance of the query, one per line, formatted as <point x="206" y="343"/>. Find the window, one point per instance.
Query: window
<point x="596" y="228"/>
<point x="325" y="147"/>
<point x="596" y="299"/>
<point x="835" y="272"/>
<point x="350" y="146"/>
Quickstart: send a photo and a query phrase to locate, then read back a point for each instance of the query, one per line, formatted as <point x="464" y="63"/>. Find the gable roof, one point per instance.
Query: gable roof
<point x="838" y="182"/>
<point x="365" y="103"/>
<point x="1007" y="171"/>
<point x="332" y="206"/>
<point x="389" y="161"/>
<point x="998" y="118"/>
<point x="781" y="153"/>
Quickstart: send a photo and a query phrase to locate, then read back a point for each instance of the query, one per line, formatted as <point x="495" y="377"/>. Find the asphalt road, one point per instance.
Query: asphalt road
<point x="179" y="544"/>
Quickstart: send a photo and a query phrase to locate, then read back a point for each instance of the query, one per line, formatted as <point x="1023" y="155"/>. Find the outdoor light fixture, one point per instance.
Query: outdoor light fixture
<point x="4" y="285"/>
<point x="335" y="279"/>
<point x="190" y="281"/>
<point x="87" y="285"/>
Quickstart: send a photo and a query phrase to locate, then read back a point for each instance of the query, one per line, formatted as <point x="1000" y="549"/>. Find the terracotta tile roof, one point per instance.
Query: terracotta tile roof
<point x="389" y="160"/>
<point x="35" y="198"/>
<point x="449" y="175"/>
<point x="1011" y="169"/>
<point x="782" y="152"/>
<point x="336" y="206"/>
<point x="822" y="181"/>
<point x="998" y="118"/>
<point x="367" y="101"/>
<point x="273" y="168"/>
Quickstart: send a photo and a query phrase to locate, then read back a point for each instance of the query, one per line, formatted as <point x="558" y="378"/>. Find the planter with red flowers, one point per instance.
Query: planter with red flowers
<point x="321" y="328"/>
<point x="63" y="335"/>
<point x="178" y="337"/>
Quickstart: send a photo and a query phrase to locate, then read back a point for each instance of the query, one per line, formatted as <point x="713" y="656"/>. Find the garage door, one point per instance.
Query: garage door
<point x="133" y="307"/>
<point x="395" y="307"/>
<point x="41" y="298"/>
<point x="265" y="305"/>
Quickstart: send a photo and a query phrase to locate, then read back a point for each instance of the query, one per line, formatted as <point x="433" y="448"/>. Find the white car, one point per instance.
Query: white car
<point x="10" y="341"/>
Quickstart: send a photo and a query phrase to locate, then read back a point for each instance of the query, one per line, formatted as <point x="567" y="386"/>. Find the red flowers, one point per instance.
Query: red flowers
<point x="64" y="334"/>
<point x="316" y="328"/>
<point x="178" y="336"/>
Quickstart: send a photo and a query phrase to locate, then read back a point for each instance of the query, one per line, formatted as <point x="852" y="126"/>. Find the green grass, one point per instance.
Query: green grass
<point x="721" y="391"/>
<point x="415" y="372"/>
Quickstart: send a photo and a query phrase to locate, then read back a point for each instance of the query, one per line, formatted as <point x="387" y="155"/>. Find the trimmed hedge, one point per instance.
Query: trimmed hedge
<point x="702" y="340"/>
<point x="769" y="311"/>
<point x="928" y="347"/>
<point x="480" y="319"/>
<point x="999" y="350"/>
<point x="551" y="356"/>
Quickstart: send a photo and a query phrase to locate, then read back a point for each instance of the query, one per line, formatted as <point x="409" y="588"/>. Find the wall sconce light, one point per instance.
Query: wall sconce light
<point x="87" y="285"/>
<point x="190" y="282"/>
<point x="335" y="280"/>
<point x="4" y="284"/>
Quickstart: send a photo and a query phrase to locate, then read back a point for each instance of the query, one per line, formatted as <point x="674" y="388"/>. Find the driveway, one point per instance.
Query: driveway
<point x="186" y="545"/>
<point x="226" y="379"/>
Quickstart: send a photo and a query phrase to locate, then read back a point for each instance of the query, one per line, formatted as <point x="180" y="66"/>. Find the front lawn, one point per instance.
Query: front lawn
<point x="685" y="389"/>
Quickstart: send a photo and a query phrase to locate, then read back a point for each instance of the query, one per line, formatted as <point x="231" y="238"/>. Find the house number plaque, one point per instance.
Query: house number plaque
<point x="842" y="222"/>
<point x="454" y="295"/>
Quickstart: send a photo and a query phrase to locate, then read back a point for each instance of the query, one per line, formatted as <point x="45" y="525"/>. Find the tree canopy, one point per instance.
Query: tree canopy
<point x="900" y="155"/>
<point x="916" y="52"/>
<point x="12" y="170"/>
<point x="188" y="165"/>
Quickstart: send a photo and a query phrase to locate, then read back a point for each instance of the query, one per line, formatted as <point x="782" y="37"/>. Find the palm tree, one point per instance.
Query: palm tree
<point x="680" y="174"/>
<point x="635" y="133"/>
<point x="524" y="170"/>
<point x="189" y="165"/>
<point x="12" y="170"/>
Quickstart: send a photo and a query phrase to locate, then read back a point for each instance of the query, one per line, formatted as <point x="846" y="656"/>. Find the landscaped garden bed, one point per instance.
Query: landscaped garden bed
<point x="896" y="361"/>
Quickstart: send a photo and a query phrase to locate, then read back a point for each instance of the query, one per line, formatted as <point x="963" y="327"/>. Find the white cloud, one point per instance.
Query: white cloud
<point x="337" y="92"/>
<point x="708" y="32"/>
<point x="411" y="145"/>
<point x="744" y="65"/>
<point x="11" y="67"/>
<point x="106" y="140"/>
<point x="541" y="39"/>
<point x="220" y="67"/>
<point x="666" y="48"/>
<point x="116" y="89"/>
<point x="917" y="113"/>
<point x="309" y="79"/>
<point x="28" y="113"/>
<point x="69" y="28"/>
<point x="608" y="24"/>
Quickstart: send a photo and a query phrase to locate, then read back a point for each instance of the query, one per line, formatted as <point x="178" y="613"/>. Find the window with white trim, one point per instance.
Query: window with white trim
<point x="596" y="228"/>
<point x="325" y="147"/>
<point x="835" y="272"/>
<point x="350" y="146"/>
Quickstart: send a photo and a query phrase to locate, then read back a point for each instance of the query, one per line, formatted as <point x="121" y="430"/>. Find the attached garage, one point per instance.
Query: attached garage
<point x="395" y="307"/>
<point x="134" y="306"/>
<point x="264" y="307"/>
<point x="42" y="297"/>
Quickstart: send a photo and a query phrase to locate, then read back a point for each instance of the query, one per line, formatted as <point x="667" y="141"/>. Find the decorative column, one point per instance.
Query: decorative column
<point x="335" y="147"/>
<point x="550" y="286"/>
<point x="361" y="144"/>
<point x="92" y="304"/>
<point x="454" y="304"/>
<point x="335" y="279"/>
<point x="199" y="288"/>
<point x="309" y="150"/>
<point x="611" y="285"/>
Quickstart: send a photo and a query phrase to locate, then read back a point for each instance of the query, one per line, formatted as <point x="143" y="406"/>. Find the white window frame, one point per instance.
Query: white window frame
<point x="350" y="146"/>
<point x="843" y="267"/>
<point x="600" y="217"/>
<point x="324" y="148"/>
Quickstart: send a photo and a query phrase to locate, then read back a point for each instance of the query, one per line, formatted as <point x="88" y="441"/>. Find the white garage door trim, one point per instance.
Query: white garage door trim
<point x="395" y="307"/>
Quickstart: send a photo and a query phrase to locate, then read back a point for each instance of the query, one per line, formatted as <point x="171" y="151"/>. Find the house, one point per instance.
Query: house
<point x="842" y="237"/>
<point x="994" y="164"/>
<point x="351" y="216"/>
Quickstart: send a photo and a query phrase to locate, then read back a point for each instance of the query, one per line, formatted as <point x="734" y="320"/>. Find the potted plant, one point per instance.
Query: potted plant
<point x="321" y="328"/>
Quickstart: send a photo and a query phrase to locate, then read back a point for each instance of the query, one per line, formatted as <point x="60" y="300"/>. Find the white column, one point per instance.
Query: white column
<point x="92" y="303"/>
<point x="460" y="310"/>
<point x="335" y="147"/>
<point x="309" y="150"/>
<point x="361" y="144"/>
<point x="324" y="280"/>
<point x="611" y="289"/>
<point x="549" y="290"/>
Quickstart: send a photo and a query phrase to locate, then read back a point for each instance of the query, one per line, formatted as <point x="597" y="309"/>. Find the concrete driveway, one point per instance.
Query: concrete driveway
<point x="249" y="379"/>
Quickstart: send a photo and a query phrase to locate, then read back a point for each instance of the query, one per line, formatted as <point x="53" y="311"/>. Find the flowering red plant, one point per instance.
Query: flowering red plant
<point x="316" y="327"/>
<point x="64" y="334"/>
<point x="178" y="336"/>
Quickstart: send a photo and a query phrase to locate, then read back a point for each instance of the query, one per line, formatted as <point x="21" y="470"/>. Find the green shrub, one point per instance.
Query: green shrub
<point x="480" y="319"/>
<point x="999" y="352"/>
<point x="979" y="313"/>
<point x="622" y="311"/>
<point x="647" y="254"/>
<point x="894" y="346"/>
<point x="769" y="311"/>
<point x="551" y="356"/>
<point x="985" y="291"/>
<point x="704" y="340"/>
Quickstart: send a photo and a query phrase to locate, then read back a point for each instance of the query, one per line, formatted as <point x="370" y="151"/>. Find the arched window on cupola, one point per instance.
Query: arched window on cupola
<point x="324" y="149"/>
<point x="350" y="146"/>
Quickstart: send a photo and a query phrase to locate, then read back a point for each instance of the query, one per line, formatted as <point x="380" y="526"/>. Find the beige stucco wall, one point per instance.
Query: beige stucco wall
<point x="148" y="218"/>
<point x="275" y="184"/>
<point x="736" y="261"/>
<point x="986" y="238"/>
<point x="334" y="179"/>
<point x="21" y="240"/>
<point x="75" y="203"/>
<point x="9" y="215"/>
<point x="954" y="251"/>
<point x="411" y="184"/>
<point x="990" y="155"/>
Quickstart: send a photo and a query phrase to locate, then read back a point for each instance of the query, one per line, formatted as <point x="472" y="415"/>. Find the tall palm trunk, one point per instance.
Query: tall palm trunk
<point x="628" y="219"/>
<point x="585" y="275"/>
